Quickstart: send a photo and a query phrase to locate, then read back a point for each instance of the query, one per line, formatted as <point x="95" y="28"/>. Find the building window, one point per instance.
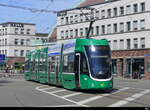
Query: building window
<point x="86" y="31"/>
<point x="142" y="42"/>
<point x="81" y="32"/>
<point x="115" y="28"/>
<point x="5" y="31"/>
<point x="109" y="13"/>
<point x="6" y="52"/>
<point x="71" y="19"/>
<point x="142" y="24"/>
<point x="62" y="34"/>
<point x="121" y="44"/>
<point x="22" y="31"/>
<point x="128" y="9"/>
<point x="92" y="31"/>
<point x="115" y="12"/>
<point x="128" y="26"/>
<point x="128" y="44"/>
<point x="135" y="25"/>
<point x="135" y="43"/>
<point x="103" y="14"/>
<point x="97" y="15"/>
<point x="28" y="31"/>
<point x="103" y="29"/>
<point x="81" y="17"/>
<point x="28" y="42"/>
<point x="5" y="41"/>
<point x="15" y="52"/>
<point x="16" y="42"/>
<point x="76" y="32"/>
<point x="121" y="27"/>
<point x="62" y="21"/>
<point x="115" y="45"/>
<point x="22" y="42"/>
<point x="71" y="33"/>
<point x="121" y="10"/>
<point x="67" y="34"/>
<point x="97" y="30"/>
<point x="135" y="8"/>
<point x="67" y="20"/>
<point x="76" y="18"/>
<point x="22" y="53"/>
<point x="142" y="7"/>
<point x="109" y="28"/>
<point x="16" y="30"/>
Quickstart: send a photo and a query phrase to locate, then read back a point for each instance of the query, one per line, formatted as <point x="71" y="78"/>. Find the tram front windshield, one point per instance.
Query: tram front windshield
<point x="99" y="61"/>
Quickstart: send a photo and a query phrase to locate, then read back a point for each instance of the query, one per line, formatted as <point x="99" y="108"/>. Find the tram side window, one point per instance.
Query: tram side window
<point x="68" y="65"/>
<point x="33" y="65"/>
<point x="52" y="64"/>
<point x="42" y="65"/>
<point x="27" y="65"/>
<point x="84" y="66"/>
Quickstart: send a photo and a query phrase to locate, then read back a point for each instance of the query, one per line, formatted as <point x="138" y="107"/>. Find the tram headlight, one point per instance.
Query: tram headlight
<point x="102" y="84"/>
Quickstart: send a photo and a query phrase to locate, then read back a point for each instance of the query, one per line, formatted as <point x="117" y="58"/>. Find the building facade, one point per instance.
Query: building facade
<point x="16" y="40"/>
<point x="124" y="23"/>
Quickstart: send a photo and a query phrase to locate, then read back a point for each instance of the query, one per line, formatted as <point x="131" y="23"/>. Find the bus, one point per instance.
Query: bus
<point x="73" y="64"/>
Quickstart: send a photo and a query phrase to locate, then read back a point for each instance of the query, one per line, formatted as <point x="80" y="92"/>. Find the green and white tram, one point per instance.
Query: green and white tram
<point x="77" y="64"/>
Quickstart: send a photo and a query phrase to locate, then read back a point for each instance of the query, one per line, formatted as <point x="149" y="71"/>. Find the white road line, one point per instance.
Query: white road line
<point x="90" y="99"/>
<point x="48" y="88"/>
<point x="58" y="91"/>
<point x="70" y="95"/>
<point x="134" y="88"/>
<point x="39" y="87"/>
<point x="62" y="97"/>
<point x="128" y="99"/>
<point x="101" y="96"/>
<point x="61" y="106"/>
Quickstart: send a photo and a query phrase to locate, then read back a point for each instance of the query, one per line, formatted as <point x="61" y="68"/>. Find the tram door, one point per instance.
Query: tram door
<point x="77" y="69"/>
<point x="57" y="67"/>
<point x="49" y="69"/>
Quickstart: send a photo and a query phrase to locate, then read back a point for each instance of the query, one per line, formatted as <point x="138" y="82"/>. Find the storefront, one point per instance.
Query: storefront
<point x="131" y="63"/>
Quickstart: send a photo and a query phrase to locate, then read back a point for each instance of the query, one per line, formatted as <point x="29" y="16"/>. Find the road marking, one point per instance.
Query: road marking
<point x="128" y="99"/>
<point x="58" y="91"/>
<point x="100" y="96"/>
<point x="61" y="106"/>
<point x="48" y="88"/>
<point x="90" y="99"/>
<point x="70" y="95"/>
<point x="37" y="88"/>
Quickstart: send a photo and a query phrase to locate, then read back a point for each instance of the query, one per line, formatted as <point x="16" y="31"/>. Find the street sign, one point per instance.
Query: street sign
<point x="2" y="57"/>
<point x="146" y="55"/>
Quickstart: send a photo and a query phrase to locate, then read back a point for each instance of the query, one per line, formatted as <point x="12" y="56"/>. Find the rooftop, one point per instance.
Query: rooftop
<point x="90" y="2"/>
<point x="16" y="23"/>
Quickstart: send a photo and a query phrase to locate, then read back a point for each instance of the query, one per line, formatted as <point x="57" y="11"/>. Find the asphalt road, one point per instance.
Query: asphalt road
<point x="126" y="93"/>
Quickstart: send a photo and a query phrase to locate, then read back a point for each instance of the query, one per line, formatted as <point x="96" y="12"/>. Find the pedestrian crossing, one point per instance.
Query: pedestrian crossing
<point x="121" y="97"/>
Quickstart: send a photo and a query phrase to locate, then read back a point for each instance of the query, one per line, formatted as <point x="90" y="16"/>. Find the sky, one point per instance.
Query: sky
<point x="45" y="22"/>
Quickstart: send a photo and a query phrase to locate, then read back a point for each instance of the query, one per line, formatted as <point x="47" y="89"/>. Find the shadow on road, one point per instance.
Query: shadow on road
<point x="5" y="81"/>
<point x="97" y="91"/>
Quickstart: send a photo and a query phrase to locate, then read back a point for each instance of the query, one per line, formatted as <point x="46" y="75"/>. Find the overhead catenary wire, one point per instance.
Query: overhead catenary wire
<point x="33" y="10"/>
